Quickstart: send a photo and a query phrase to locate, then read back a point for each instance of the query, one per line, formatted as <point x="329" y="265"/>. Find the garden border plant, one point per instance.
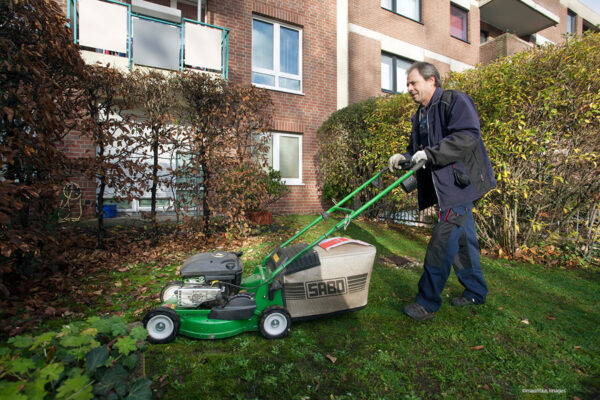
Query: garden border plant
<point x="96" y="358"/>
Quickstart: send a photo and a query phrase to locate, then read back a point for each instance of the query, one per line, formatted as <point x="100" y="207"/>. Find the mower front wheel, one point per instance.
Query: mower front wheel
<point x="275" y="322"/>
<point x="162" y="325"/>
<point x="169" y="289"/>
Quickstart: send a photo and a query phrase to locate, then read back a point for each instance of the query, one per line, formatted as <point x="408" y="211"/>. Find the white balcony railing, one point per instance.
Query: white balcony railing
<point x="114" y="33"/>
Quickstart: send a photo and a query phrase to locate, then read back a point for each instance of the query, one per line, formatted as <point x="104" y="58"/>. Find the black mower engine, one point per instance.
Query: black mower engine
<point x="208" y="279"/>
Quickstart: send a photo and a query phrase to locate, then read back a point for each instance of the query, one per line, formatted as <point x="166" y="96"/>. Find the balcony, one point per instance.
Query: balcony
<point x="520" y="17"/>
<point x="144" y="34"/>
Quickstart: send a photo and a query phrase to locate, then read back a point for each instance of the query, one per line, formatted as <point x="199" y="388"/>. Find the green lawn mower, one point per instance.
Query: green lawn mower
<point x="294" y="282"/>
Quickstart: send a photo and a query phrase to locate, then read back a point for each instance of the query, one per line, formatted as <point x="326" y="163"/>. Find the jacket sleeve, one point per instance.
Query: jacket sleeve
<point x="462" y="133"/>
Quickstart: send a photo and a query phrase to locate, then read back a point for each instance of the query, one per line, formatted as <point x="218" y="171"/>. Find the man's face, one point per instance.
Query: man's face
<point x="419" y="88"/>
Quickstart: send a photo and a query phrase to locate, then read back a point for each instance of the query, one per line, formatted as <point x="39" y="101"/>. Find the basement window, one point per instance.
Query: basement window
<point x="285" y="156"/>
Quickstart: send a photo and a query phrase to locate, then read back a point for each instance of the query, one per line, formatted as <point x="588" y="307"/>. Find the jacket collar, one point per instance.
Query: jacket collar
<point x="437" y="96"/>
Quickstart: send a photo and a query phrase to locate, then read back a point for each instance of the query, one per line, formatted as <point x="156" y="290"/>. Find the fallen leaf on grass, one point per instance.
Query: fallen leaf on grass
<point x="486" y="387"/>
<point x="331" y="358"/>
<point x="550" y="317"/>
<point x="500" y="308"/>
<point x="577" y="347"/>
<point x="525" y="321"/>
<point x="478" y="347"/>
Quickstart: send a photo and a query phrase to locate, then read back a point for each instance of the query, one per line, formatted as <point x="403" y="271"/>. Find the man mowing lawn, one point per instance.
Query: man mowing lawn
<point x="445" y="133"/>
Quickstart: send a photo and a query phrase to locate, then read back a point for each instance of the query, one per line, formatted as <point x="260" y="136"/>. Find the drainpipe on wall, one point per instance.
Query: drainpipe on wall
<point x="342" y="53"/>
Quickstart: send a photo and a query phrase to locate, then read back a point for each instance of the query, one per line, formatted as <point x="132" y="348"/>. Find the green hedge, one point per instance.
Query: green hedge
<point x="356" y="142"/>
<point x="540" y="120"/>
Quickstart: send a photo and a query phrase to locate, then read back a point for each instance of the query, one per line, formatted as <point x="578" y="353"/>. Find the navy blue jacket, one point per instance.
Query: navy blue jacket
<point x="459" y="170"/>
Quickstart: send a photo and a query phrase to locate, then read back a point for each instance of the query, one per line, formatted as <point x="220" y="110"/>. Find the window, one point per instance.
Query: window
<point x="407" y="8"/>
<point x="187" y="182"/>
<point x="393" y="73"/>
<point x="276" y="56"/>
<point x="121" y="204"/>
<point x="162" y="203"/>
<point x="483" y="36"/>
<point x="571" y="25"/>
<point x="285" y="156"/>
<point x="458" y="23"/>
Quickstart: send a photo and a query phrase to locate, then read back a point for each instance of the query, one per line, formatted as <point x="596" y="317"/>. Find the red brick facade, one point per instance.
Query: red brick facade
<point x="432" y="33"/>
<point x="301" y="114"/>
<point x="372" y="30"/>
<point x="78" y="146"/>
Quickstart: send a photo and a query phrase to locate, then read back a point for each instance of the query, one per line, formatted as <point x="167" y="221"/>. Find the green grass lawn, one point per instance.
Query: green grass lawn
<point x="539" y="331"/>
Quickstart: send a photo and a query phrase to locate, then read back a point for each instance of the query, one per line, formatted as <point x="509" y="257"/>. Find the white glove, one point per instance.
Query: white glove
<point x="395" y="161"/>
<point x="418" y="156"/>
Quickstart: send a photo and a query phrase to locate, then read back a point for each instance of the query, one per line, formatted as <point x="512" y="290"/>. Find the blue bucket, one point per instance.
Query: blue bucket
<point x="109" y="211"/>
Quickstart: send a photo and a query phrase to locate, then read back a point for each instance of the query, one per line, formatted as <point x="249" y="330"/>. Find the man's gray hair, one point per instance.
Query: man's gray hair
<point x="427" y="70"/>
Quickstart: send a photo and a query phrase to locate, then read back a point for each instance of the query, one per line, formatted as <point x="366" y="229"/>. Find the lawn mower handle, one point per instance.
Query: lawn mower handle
<point x="343" y="223"/>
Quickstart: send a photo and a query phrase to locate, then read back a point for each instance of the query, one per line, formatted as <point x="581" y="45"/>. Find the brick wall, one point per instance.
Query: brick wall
<point x="76" y="145"/>
<point x="432" y="33"/>
<point x="364" y="66"/>
<point x="504" y="45"/>
<point x="302" y="114"/>
<point x="555" y="33"/>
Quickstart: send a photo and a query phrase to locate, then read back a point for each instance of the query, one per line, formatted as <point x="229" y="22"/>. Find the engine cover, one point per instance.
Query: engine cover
<point x="195" y="296"/>
<point x="214" y="266"/>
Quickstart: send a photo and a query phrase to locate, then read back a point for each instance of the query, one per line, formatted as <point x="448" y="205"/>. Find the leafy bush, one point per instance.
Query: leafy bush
<point x="39" y="86"/>
<point x="96" y="358"/>
<point x="540" y="120"/>
<point x="226" y="146"/>
<point x="356" y="142"/>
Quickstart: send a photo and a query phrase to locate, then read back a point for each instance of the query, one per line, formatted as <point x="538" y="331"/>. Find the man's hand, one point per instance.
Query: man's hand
<point x="418" y="156"/>
<point x="395" y="161"/>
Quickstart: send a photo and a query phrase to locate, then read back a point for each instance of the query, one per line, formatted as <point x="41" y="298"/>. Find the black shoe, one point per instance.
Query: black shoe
<point x="463" y="301"/>
<point x="417" y="312"/>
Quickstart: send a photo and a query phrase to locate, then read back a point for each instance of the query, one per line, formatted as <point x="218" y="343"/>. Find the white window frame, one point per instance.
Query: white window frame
<point x="276" y="62"/>
<point x="276" y="160"/>
<point x="571" y="22"/>
<point x="466" y="27"/>
<point x="397" y="87"/>
<point x="394" y="8"/>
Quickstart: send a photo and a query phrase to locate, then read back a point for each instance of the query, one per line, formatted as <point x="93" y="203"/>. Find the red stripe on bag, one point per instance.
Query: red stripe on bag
<point x="447" y="214"/>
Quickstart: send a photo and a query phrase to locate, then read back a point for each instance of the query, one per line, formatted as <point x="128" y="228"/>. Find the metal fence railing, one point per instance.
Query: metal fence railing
<point x="111" y="29"/>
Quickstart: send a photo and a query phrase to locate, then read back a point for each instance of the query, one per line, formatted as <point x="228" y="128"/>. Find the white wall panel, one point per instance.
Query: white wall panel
<point x="103" y="25"/>
<point x="203" y="46"/>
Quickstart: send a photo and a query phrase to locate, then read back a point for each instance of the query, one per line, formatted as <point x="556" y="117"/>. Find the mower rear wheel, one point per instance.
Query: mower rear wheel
<point x="162" y="324"/>
<point x="169" y="289"/>
<point x="275" y="322"/>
